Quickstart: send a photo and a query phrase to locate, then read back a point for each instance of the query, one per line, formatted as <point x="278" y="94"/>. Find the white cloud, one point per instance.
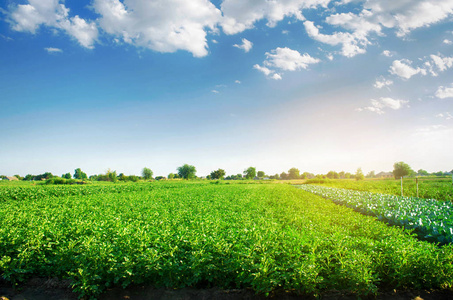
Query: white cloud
<point x="403" y="16"/>
<point x="407" y="15"/>
<point x="85" y="32"/>
<point x="284" y="59"/>
<point x="382" y="82"/>
<point x="276" y="76"/>
<point x="379" y="106"/>
<point x="264" y="70"/>
<point x="352" y="44"/>
<point x="215" y="91"/>
<point x="387" y="53"/>
<point x="444" y="92"/>
<point x="160" y="25"/>
<point x="442" y="63"/>
<point x="268" y="72"/>
<point x="403" y="69"/>
<point x="360" y="24"/>
<point x="5" y="37"/>
<point x="446" y="116"/>
<point x="438" y="63"/>
<point x="53" y="50"/>
<point x="240" y="15"/>
<point x="237" y="81"/>
<point x="29" y="17"/>
<point x="447" y="42"/>
<point x="288" y="60"/>
<point x="246" y="45"/>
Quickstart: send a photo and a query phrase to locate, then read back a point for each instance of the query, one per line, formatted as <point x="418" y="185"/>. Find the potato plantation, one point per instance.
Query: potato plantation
<point x="267" y="237"/>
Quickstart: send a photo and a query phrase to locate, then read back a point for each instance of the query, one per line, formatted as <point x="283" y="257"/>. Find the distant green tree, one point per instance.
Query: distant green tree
<point x="284" y="176"/>
<point x="371" y="174"/>
<point x="261" y="174"/>
<point x="67" y="176"/>
<point x="187" y="171"/>
<point x="359" y="174"/>
<point x="171" y="176"/>
<point x="307" y="175"/>
<point x="401" y="169"/>
<point x="19" y="177"/>
<point x="147" y="173"/>
<point x="342" y="175"/>
<point x="422" y="172"/>
<point x="218" y="174"/>
<point x="78" y="174"/>
<point x="250" y="173"/>
<point x="293" y="173"/>
<point x="111" y="175"/>
<point x="122" y="177"/>
<point x="332" y="175"/>
<point x="160" y="178"/>
<point x="133" y="178"/>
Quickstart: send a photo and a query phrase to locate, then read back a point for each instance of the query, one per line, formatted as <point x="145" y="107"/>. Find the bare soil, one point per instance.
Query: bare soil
<point x="54" y="289"/>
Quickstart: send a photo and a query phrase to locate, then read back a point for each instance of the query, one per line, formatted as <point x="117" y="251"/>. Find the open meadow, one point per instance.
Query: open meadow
<point x="266" y="237"/>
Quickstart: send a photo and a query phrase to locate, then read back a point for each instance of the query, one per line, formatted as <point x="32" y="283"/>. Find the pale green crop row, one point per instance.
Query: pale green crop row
<point x="431" y="219"/>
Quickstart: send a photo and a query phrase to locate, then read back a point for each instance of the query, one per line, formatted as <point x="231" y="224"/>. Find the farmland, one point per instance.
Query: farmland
<point x="266" y="237"/>
<point x="431" y="219"/>
<point x="428" y="187"/>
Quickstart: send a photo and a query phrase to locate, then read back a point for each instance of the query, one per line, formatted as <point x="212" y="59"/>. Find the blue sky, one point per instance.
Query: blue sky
<point x="315" y="84"/>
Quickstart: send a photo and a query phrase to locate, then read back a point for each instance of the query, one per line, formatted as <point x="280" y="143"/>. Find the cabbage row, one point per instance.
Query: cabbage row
<point x="431" y="219"/>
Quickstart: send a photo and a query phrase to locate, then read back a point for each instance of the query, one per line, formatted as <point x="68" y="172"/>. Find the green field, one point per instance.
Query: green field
<point x="428" y="187"/>
<point x="267" y="237"/>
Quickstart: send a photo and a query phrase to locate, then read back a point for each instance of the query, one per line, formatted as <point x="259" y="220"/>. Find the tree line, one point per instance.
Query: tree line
<point x="186" y="171"/>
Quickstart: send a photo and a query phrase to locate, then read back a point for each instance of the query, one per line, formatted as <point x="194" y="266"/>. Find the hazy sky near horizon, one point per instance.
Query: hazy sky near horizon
<point x="318" y="85"/>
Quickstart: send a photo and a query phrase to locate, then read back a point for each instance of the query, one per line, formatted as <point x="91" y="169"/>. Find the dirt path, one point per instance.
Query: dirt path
<point x="50" y="289"/>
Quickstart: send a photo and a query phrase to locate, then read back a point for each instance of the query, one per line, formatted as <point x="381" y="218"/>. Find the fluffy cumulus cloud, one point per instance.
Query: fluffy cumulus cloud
<point x="172" y="25"/>
<point x="433" y="65"/>
<point x="351" y="43"/>
<point x="439" y="64"/>
<point x="160" y="25"/>
<point x="285" y="59"/>
<point x="407" y="15"/>
<point x="444" y="92"/>
<point x="246" y="45"/>
<point x="51" y="13"/>
<point x="240" y="15"/>
<point x="375" y="15"/>
<point x="403" y="69"/>
<point x="384" y="103"/>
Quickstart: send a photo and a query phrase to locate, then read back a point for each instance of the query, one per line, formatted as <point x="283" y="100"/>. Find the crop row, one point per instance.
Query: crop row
<point x="30" y="192"/>
<point x="430" y="219"/>
<point x="429" y="188"/>
<point x="265" y="237"/>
